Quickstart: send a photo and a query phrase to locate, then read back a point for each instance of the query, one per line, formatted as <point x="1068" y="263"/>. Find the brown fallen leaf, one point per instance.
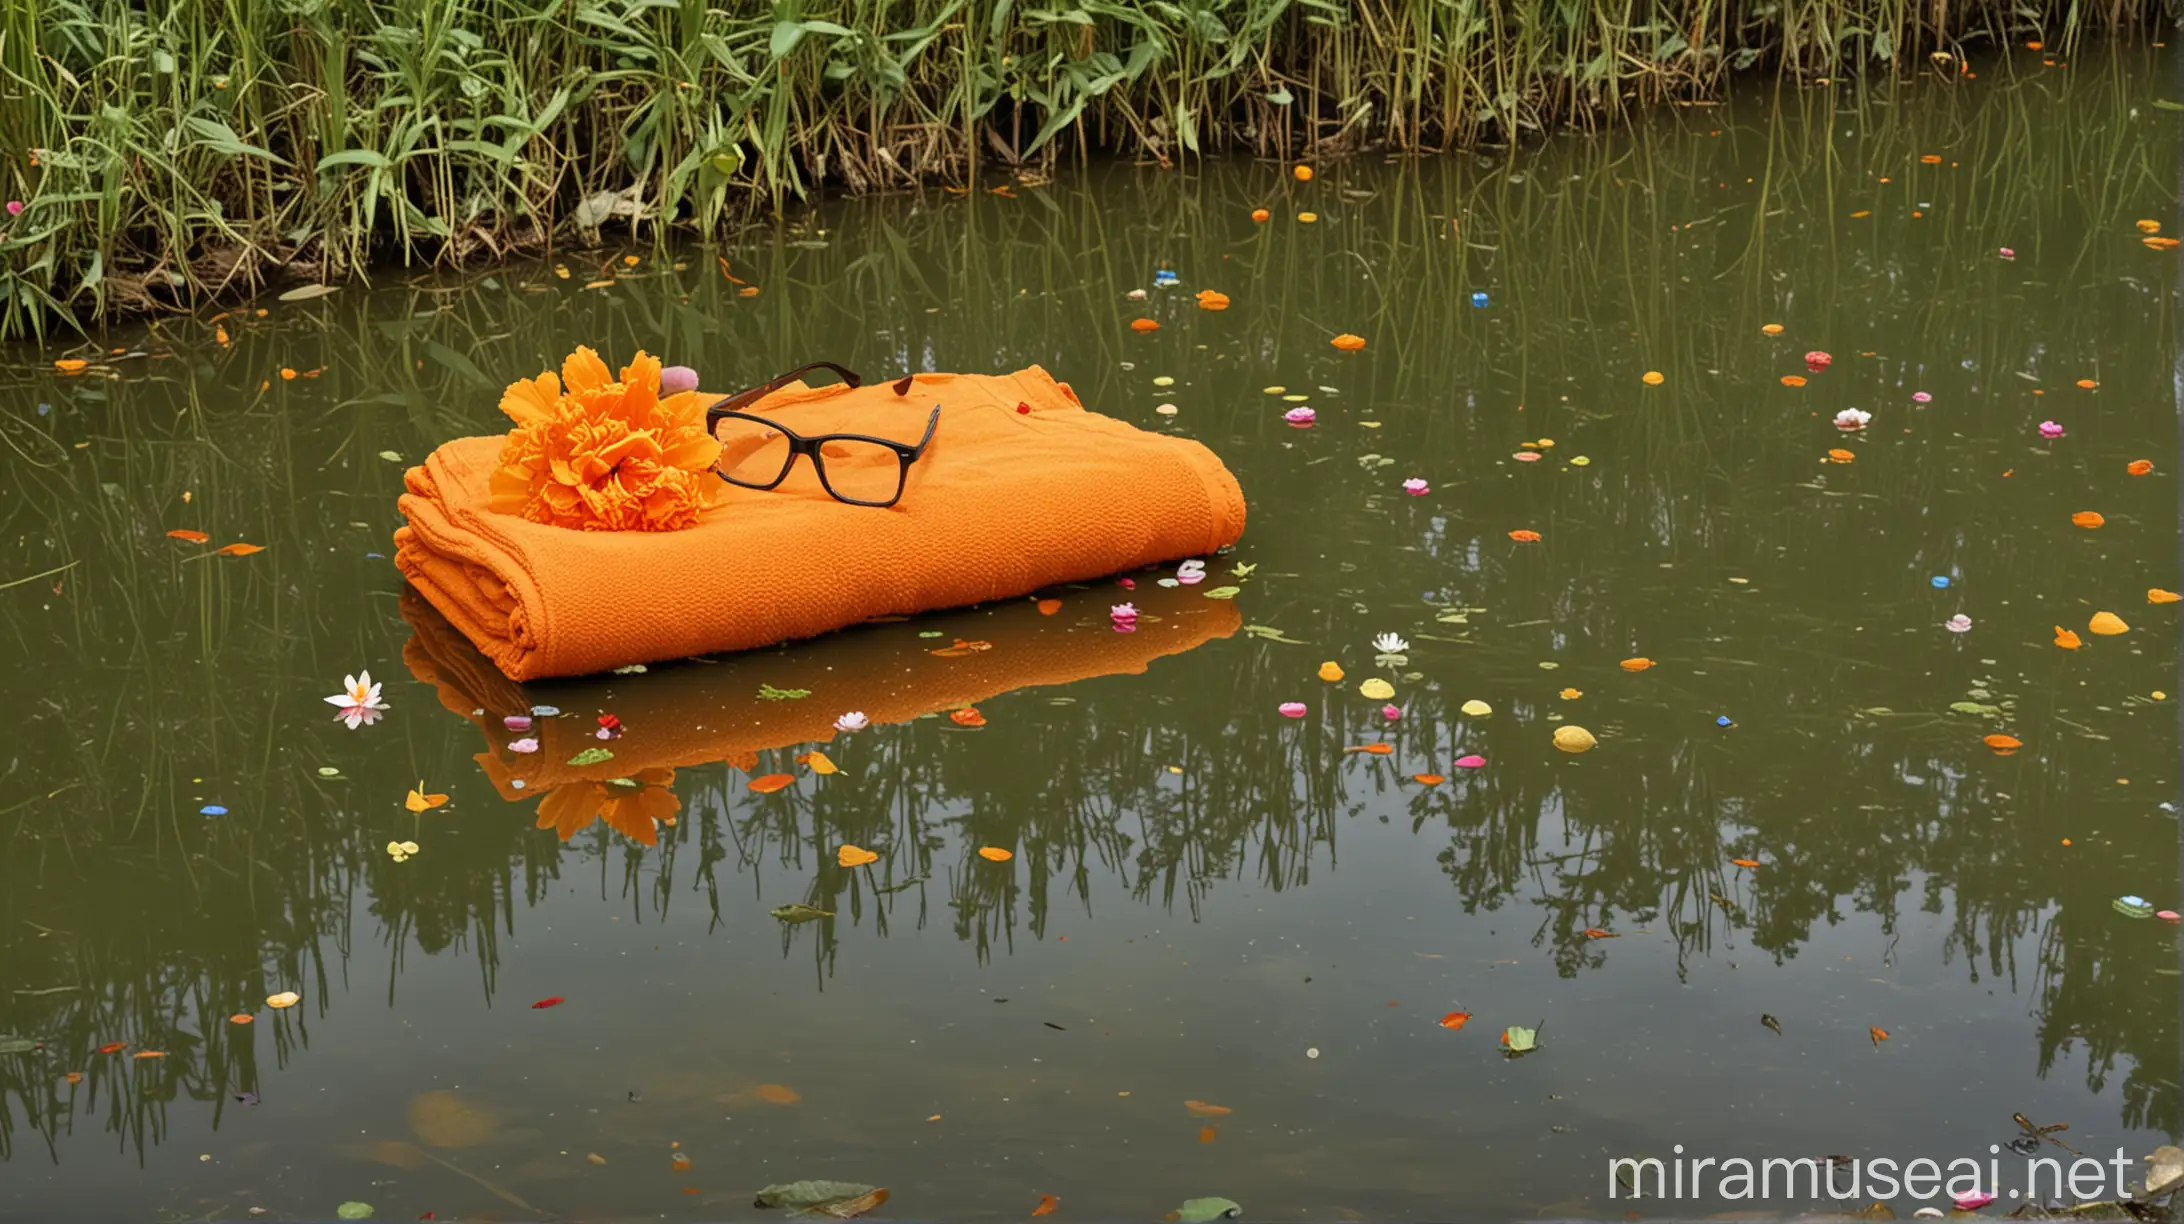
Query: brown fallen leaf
<point x="595" y="1158"/>
<point x="1879" y="1035"/>
<point x="777" y="1094"/>
<point x="238" y="550"/>
<point x="190" y="537"/>
<point x="849" y="1209"/>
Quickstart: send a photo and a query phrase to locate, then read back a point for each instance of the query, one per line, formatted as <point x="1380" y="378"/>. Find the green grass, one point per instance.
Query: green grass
<point x="165" y="158"/>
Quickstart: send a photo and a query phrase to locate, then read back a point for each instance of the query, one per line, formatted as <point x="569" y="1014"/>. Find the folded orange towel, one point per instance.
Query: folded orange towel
<point x="697" y="713"/>
<point x="1022" y="488"/>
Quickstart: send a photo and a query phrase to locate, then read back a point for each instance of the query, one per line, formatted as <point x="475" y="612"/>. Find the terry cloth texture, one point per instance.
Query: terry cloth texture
<point x="1021" y="489"/>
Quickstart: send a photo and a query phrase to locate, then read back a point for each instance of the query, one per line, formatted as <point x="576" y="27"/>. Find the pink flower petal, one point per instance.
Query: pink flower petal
<point x="1292" y="709"/>
<point x="1473" y="761"/>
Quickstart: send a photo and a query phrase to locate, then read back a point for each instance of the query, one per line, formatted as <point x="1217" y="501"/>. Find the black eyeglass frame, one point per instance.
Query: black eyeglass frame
<point x="728" y="408"/>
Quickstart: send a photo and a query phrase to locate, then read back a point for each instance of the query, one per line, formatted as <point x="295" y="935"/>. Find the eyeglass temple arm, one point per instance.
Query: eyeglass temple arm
<point x="751" y="395"/>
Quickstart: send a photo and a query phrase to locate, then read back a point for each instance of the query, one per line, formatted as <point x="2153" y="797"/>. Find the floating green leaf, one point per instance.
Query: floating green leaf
<point x="1200" y="1210"/>
<point x="1268" y="633"/>
<point x="767" y="692"/>
<point x="391" y="456"/>
<point x="800" y="912"/>
<point x="1973" y="707"/>
<point x="1517" y="1039"/>
<point x="811" y="1195"/>
<point x="353" y="1210"/>
<point x="1227" y="592"/>
<point x="17" y="1045"/>
<point x="591" y="756"/>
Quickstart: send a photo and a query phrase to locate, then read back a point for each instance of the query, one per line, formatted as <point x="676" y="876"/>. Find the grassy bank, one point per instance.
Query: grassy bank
<point x="164" y="158"/>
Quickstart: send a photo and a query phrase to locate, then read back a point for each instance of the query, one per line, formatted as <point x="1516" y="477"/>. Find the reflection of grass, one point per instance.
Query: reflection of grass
<point x="173" y="159"/>
<point x="144" y="672"/>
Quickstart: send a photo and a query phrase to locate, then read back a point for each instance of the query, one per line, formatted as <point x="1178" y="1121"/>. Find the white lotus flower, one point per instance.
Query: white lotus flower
<point x="359" y="701"/>
<point x="1852" y="418"/>
<point x="852" y="721"/>
<point x="1388" y="643"/>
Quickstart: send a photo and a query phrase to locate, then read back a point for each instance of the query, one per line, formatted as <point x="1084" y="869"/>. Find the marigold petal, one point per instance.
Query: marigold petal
<point x="584" y="371"/>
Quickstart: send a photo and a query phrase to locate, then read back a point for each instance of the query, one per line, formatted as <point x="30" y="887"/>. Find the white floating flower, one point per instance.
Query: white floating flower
<point x="852" y="721"/>
<point x="1850" y="419"/>
<point x="1388" y="643"/>
<point x="359" y="701"/>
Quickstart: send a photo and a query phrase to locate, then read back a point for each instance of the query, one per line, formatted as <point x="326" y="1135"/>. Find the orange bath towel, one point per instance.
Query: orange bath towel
<point x="1021" y="489"/>
<point x="698" y="713"/>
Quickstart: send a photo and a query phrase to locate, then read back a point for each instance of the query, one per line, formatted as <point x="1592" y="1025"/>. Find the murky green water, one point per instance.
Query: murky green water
<point x="1208" y="901"/>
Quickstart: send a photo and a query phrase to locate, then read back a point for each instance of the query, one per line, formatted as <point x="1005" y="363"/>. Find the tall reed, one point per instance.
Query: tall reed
<point x="164" y="154"/>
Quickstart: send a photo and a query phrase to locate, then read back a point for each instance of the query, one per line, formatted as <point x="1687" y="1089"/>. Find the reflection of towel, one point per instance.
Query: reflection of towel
<point x="1021" y="489"/>
<point x="689" y="713"/>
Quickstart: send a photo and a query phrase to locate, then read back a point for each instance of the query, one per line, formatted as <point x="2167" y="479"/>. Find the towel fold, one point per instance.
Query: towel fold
<point x="693" y="713"/>
<point x="1021" y="489"/>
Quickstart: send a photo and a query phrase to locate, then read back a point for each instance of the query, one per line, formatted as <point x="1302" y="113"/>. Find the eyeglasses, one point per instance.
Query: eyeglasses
<point x="855" y="468"/>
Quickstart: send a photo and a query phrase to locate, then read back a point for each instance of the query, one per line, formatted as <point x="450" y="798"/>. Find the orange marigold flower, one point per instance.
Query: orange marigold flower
<point x="597" y="453"/>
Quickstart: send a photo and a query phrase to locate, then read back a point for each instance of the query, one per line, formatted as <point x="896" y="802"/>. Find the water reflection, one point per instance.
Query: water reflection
<point x="148" y="684"/>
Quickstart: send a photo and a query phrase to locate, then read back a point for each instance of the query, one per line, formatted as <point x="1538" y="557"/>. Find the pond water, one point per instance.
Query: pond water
<point x="1208" y="902"/>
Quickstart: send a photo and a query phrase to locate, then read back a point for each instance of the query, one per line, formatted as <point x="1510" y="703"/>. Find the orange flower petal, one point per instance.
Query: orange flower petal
<point x="767" y="784"/>
<point x="1454" y="1021"/>
<point x="1261" y="215"/>
<point x="1839" y="455"/>
<point x="2139" y="467"/>
<point x="1638" y="664"/>
<point x="1744" y="862"/>
<point x="2087" y="384"/>
<point x="1144" y="325"/>
<point x="1770" y="329"/>
<point x="995" y="854"/>
<point x="855" y="856"/>
<point x="2066" y="639"/>
<point x="2088" y="519"/>
<point x="1428" y="779"/>
<point x="1793" y="380"/>
<point x="71" y="365"/>
<point x="1303" y="173"/>
<point x="2107" y="624"/>
<point x="238" y="550"/>
<point x="2155" y="595"/>
<point x="1348" y="343"/>
<point x="188" y="536"/>
<point x="968" y="716"/>
<point x="1653" y="378"/>
<point x="1523" y="536"/>
<point x="2003" y="745"/>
